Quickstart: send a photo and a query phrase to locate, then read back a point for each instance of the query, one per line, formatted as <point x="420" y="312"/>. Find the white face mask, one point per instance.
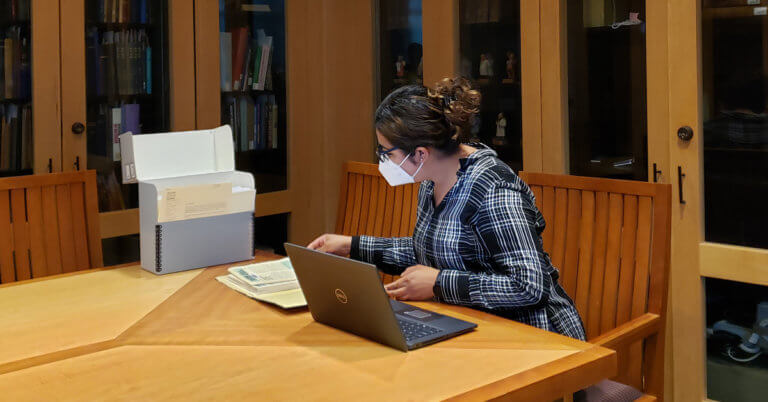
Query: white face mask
<point x="395" y="174"/>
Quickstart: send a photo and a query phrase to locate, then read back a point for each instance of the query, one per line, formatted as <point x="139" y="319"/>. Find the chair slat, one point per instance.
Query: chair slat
<point x="611" y="282"/>
<point x="7" y="266"/>
<point x="381" y="205"/>
<point x="20" y="234"/>
<point x="549" y="215"/>
<point x="51" y="224"/>
<point x="560" y="227"/>
<point x="349" y="202"/>
<point x="642" y="256"/>
<point x="389" y="207"/>
<point x="537" y="195"/>
<point x="357" y="201"/>
<point x="36" y="232"/>
<point x="78" y="226"/>
<point x="627" y="269"/>
<point x="397" y="210"/>
<point x="66" y="233"/>
<point x="585" y="253"/>
<point x="570" y="268"/>
<point x="370" y="221"/>
<point x="414" y="209"/>
<point x="600" y="243"/>
<point x="365" y="206"/>
<point x="406" y="214"/>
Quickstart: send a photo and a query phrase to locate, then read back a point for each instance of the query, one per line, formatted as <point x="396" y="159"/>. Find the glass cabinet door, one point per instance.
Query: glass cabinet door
<point x="400" y="45"/>
<point x="734" y="108"/>
<point x="16" y="131"/>
<point x="126" y="81"/>
<point x="489" y="48"/>
<point x="253" y="91"/>
<point x="606" y="62"/>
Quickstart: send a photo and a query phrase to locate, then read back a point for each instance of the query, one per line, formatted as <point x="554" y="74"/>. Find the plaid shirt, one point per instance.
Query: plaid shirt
<point x="485" y="238"/>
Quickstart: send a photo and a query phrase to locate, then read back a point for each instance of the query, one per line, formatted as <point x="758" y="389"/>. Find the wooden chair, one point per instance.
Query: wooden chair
<point x="610" y="239"/>
<point x="370" y="206"/>
<point x="48" y="225"/>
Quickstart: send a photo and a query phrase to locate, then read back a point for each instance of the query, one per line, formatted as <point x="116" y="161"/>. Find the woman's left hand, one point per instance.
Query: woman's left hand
<point x="415" y="283"/>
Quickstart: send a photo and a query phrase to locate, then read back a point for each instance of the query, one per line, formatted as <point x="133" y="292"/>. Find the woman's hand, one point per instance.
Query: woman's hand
<point x="333" y="244"/>
<point x="415" y="283"/>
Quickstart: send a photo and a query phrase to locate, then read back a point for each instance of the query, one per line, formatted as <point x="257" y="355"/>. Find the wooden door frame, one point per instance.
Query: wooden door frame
<point x="71" y="25"/>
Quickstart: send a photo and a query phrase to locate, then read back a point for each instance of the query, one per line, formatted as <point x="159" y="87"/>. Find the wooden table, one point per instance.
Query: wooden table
<point x="127" y="334"/>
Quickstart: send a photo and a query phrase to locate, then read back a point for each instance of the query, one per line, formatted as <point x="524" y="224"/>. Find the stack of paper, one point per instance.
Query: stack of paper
<point x="272" y="282"/>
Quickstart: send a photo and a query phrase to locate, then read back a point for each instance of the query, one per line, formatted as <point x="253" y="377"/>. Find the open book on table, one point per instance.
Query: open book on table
<point x="271" y="281"/>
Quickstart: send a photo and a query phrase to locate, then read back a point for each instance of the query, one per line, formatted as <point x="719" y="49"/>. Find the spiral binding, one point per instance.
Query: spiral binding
<point x="253" y="236"/>
<point x="158" y="248"/>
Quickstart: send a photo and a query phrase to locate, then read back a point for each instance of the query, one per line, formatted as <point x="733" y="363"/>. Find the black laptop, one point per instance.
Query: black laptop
<point x="348" y="295"/>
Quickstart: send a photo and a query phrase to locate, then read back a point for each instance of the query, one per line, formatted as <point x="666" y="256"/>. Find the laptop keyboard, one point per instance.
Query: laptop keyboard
<point x="413" y="330"/>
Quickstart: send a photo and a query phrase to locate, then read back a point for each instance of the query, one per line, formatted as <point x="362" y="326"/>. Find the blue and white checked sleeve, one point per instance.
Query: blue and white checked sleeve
<point x="391" y="255"/>
<point x="505" y="225"/>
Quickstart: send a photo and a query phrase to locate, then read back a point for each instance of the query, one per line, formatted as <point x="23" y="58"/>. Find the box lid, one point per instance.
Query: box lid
<point x="157" y="156"/>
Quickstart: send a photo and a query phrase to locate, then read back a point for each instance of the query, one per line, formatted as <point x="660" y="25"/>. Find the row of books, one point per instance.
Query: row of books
<point x="15" y="70"/>
<point x="253" y="122"/>
<point x="15" y="137"/>
<point x="111" y="121"/>
<point x="123" y="11"/>
<point x="15" y="10"/>
<point x="245" y="60"/>
<point x="119" y="62"/>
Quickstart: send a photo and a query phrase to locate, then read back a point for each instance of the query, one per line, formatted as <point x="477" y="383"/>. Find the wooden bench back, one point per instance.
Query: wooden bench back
<point x="610" y="241"/>
<point x="48" y="225"/>
<point x="368" y="205"/>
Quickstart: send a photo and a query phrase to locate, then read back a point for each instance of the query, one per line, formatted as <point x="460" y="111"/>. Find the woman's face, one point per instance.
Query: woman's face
<point x="397" y="155"/>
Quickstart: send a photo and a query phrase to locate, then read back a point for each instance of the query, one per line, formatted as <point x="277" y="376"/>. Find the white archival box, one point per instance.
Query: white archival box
<point x="195" y="209"/>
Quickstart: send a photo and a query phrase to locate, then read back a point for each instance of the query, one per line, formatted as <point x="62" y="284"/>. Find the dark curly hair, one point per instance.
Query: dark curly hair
<point x="414" y="116"/>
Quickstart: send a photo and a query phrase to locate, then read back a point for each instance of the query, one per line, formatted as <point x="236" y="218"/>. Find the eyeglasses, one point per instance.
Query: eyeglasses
<point x="384" y="153"/>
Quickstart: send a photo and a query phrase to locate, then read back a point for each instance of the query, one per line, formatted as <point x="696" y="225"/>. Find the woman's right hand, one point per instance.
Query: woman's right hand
<point x="333" y="244"/>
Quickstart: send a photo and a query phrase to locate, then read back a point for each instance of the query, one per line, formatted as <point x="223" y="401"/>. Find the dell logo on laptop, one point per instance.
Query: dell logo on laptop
<point x="341" y="296"/>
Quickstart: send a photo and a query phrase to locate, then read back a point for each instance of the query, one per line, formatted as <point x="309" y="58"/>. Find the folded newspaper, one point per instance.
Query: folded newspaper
<point x="271" y="281"/>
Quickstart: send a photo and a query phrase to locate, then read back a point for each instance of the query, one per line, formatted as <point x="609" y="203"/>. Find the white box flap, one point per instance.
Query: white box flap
<point x="157" y="156"/>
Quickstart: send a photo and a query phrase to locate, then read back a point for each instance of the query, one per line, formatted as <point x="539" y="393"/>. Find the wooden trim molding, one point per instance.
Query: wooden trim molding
<point x="207" y="84"/>
<point x="46" y="85"/>
<point x="554" y="87"/>
<point x="181" y="63"/>
<point x="530" y="71"/>
<point x="734" y="263"/>
<point x="73" y="108"/>
<point x="440" y="32"/>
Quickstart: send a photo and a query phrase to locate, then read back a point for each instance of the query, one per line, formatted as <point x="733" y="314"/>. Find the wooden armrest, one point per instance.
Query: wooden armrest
<point x="646" y="398"/>
<point x="629" y="332"/>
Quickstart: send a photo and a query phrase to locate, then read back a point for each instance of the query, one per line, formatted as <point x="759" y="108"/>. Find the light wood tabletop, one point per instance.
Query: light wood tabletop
<point x="128" y="334"/>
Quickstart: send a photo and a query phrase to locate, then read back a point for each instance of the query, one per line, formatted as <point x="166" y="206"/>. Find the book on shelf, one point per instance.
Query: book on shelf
<point x="119" y="63"/>
<point x="16" y="10"/>
<point x="123" y="11"/>
<point x="254" y="122"/>
<point x="245" y="60"/>
<point x="271" y="281"/>
<point x="15" y="68"/>
<point x="15" y="137"/>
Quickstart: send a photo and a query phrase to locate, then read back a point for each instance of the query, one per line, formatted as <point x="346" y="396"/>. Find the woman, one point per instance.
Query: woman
<point x="477" y="240"/>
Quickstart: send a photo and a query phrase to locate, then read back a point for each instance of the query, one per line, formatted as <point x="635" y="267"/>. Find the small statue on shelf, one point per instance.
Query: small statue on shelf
<point x="400" y="67"/>
<point x="511" y="68"/>
<point x="501" y="130"/>
<point x="486" y="65"/>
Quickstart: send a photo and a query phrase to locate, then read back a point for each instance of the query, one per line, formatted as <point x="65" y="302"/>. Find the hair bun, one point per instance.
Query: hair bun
<point x="459" y="103"/>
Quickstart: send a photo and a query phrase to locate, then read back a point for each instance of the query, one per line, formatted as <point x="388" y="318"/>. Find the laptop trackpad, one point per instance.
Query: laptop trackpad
<point x="414" y="312"/>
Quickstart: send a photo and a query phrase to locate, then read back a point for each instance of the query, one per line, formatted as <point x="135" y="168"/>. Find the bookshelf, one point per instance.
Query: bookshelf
<point x="16" y="134"/>
<point x="489" y="55"/>
<point x="400" y="50"/>
<point x="126" y="77"/>
<point x="252" y="86"/>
